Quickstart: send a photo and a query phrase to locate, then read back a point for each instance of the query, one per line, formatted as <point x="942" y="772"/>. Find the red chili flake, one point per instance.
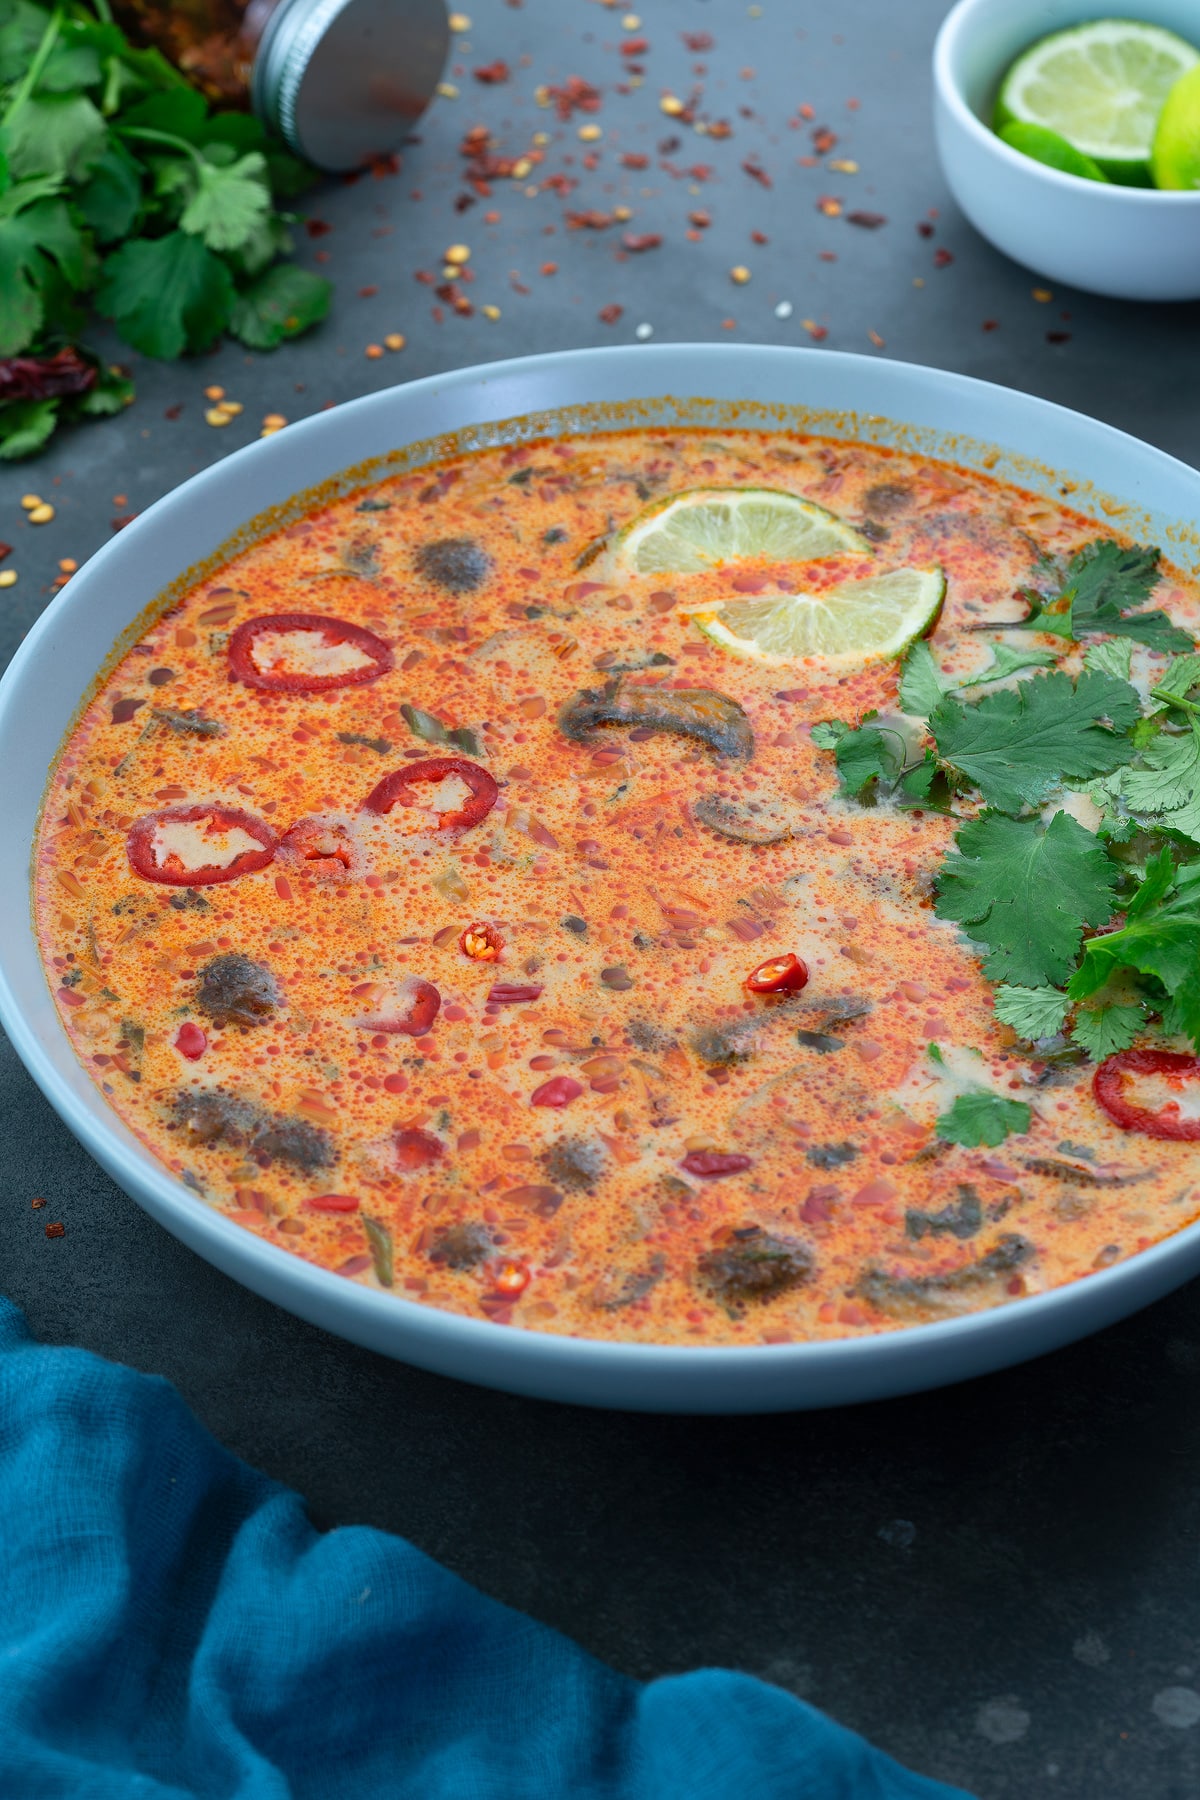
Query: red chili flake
<point x="592" y="220"/>
<point x="636" y="241"/>
<point x="1058" y="337"/>
<point x="701" y="220"/>
<point x="56" y="1231"/>
<point x="868" y="220"/>
<point x="5" y="550"/>
<point x="574" y="95"/>
<point x="824" y="140"/>
<point x="608" y="315"/>
<point x="43" y="377"/>
<point x="637" y="46"/>
<point x="317" y="228"/>
<point x="38" y="1203"/>
<point x="757" y="173"/>
<point x="555" y="184"/>
<point x="924" y="228"/>
<point x="425" y="277"/>
<point x="719" y="128"/>
<point x="712" y="1165"/>
<point x="492" y="73"/>
<point x="759" y="237"/>
<point x="463" y="202"/>
<point x="806" y="111"/>
<point x="990" y="325"/>
<point x="173" y="412"/>
<point x="549" y="268"/>
<point x="942" y="258"/>
<point x="368" y="293"/>
<point x="632" y="159"/>
<point x="829" y="205"/>
<point x="516" y="284"/>
<point x="698" y="41"/>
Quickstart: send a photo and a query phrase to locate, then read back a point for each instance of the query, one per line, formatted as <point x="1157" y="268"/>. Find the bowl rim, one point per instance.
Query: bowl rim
<point x="412" y="1330"/>
<point x="954" y="29"/>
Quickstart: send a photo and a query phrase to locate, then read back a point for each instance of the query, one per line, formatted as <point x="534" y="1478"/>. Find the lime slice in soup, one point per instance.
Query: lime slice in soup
<point x="1175" y="160"/>
<point x="1102" y="87"/>
<point x="709" y="528"/>
<point x="1046" y="146"/>
<point x="848" y="625"/>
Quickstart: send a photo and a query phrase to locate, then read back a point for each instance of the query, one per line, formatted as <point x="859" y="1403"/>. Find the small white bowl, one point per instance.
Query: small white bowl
<point x="1129" y="243"/>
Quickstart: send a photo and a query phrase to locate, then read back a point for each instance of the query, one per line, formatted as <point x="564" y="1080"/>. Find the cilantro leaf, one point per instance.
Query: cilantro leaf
<point x="1015" y="745"/>
<point x="1006" y="661"/>
<point x="922" y="684"/>
<point x="1026" y="893"/>
<point x="1113" y="658"/>
<point x="1104" y="580"/>
<point x="228" y="205"/>
<point x="280" y="304"/>
<point x="111" y="197"/>
<point x="24" y="427"/>
<point x="1104" y="1030"/>
<point x="1032" y="1012"/>
<point x="1160" y="938"/>
<point x="33" y="244"/>
<point x="166" y="294"/>
<point x="1166" y="785"/>
<point x="981" y="1117"/>
<point x="61" y="134"/>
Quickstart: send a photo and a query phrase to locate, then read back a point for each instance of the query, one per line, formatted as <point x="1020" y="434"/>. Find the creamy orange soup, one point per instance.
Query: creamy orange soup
<point x="487" y="1041"/>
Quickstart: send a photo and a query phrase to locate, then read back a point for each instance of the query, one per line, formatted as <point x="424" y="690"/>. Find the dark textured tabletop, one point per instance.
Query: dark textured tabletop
<point x="999" y="1583"/>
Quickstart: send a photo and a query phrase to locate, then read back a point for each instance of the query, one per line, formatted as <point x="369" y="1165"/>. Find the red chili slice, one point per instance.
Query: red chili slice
<point x="152" y="854"/>
<point x="560" y="1090"/>
<point x="320" y="847"/>
<point x="191" y="1041"/>
<point x="332" y="1203"/>
<point x="400" y="789"/>
<point x="481" y="942"/>
<point x="410" y="1006"/>
<point x="511" y="1279"/>
<point x="1108" y="1085"/>
<point x="710" y="1165"/>
<point x="780" y="975"/>
<point x="507" y="993"/>
<point x="416" y="1149"/>
<point x="249" y="659"/>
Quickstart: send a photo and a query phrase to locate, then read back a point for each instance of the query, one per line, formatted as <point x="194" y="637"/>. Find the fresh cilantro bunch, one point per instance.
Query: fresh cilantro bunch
<point x="1026" y="881"/>
<point x="121" y="190"/>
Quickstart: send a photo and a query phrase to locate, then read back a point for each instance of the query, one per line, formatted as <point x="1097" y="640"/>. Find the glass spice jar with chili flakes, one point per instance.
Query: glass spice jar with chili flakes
<point x="341" y="84"/>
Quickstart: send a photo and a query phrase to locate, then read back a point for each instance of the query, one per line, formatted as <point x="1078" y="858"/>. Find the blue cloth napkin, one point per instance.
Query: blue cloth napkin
<point x="171" y="1626"/>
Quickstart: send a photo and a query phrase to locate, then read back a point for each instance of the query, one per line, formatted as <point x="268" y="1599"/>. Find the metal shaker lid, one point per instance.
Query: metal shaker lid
<point x="342" y="81"/>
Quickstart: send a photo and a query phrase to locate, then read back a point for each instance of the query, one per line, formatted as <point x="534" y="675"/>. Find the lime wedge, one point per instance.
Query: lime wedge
<point x="854" y="623"/>
<point x="1101" y="86"/>
<point x="1175" y="161"/>
<point x="1045" y="146"/>
<point x="708" y="528"/>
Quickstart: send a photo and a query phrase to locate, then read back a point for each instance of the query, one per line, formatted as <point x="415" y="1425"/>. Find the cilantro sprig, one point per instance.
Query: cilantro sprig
<point x="1089" y="934"/>
<point x="123" y="192"/>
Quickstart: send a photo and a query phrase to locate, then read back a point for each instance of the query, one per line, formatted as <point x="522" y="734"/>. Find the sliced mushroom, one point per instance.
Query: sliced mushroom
<point x="236" y="990"/>
<point x="755" y="1265"/>
<point x="753" y="819"/>
<point x="458" y="564"/>
<point x="953" y="1292"/>
<point x="701" y="713"/>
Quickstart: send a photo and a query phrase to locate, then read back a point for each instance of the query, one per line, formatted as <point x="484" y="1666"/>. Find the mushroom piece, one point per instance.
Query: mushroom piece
<point x="754" y="1265"/>
<point x="236" y="990"/>
<point x="952" y="1292"/>
<point x="463" y="1246"/>
<point x="701" y="713"/>
<point x="212" y="1117"/>
<point x="755" y="819"/>
<point x="458" y="564"/>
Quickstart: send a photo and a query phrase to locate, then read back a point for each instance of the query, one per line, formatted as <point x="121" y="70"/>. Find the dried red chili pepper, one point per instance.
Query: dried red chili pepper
<point x="161" y="846"/>
<point x="711" y="1165"/>
<point x="1108" y="1086"/>
<point x="400" y="789"/>
<point x="481" y="942"/>
<point x="191" y="1041"/>
<point x="779" y="975"/>
<point x="43" y="377"/>
<point x="560" y="1090"/>
<point x="270" y="653"/>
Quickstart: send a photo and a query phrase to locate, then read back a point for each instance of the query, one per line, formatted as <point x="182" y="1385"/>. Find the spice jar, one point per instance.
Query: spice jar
<point x="341" y="81"/>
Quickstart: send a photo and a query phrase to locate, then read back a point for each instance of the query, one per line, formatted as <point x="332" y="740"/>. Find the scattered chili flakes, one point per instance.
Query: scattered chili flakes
<point x="39" y="1202"/>
<point x="823" y="139"/>
<point x="591" y="220"/>
<point x="491" y="74"/>
<point x="830" y="206"/>
<point x="759" y="237"/>
<point x="608" y="315"/>
<point x="698" y="41"/>
<point x="701" y="220"/>
<point x="5" y="550"/>
<point x="875" y="338"/>
<point x="574" y="95"/>
<point x="815" y="331"/>
<point x="757" y="173"/>
<point x="56" y="1230"/>
<point x="870" y="221"/>
<point x="990" y="325"/>
<point x="633" y="159"/>
<point x="924" y="228"/>
<point x="637" y="241"/>
<point x="549" y="268"/>
<point x="373" y="352"/>
<point x="1058" y="337"/>
<point x="942" y="258"/>
<point x="122" y="520"/>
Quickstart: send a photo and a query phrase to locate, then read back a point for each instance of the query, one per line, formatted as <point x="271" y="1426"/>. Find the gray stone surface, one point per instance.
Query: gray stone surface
<point x="998" y="1583"/>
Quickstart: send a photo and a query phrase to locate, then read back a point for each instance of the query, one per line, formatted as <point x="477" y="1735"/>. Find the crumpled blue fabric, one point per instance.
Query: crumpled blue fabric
<point x="171" y="1625"/>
